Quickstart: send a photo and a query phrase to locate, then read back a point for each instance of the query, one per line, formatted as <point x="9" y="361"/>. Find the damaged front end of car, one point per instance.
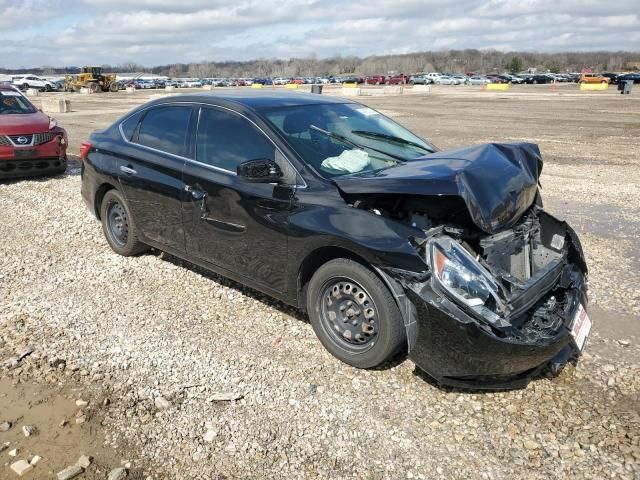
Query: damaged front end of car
<point x="495" y="310"/>
<point x="497" y="298"/>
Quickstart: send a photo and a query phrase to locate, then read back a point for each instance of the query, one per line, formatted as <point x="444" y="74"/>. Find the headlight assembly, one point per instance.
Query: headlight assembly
<point x="53" y="123"/>
<point x="468" y="282"/>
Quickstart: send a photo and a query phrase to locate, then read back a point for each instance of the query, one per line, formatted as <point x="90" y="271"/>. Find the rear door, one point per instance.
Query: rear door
<point x="230" y="222"/>
<point x="151" y="174"/>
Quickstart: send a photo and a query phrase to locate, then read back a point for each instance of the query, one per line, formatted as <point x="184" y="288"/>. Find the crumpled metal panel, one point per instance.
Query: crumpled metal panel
<point x="497" y="181"/>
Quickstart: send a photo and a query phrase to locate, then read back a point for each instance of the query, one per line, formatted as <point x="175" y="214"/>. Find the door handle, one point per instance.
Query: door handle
<point x="128" y="170"/>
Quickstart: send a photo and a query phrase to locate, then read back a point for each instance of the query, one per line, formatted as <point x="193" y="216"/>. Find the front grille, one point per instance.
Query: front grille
<point x="26" y="139"/>
<point x="43" y="138"/>
<point x="37" y="138"/>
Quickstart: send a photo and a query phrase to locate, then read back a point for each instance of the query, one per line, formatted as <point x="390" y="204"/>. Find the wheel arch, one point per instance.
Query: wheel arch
<point x="100" y="193"/>
<point x="322" y="255"/>
<point x="318" y="257"/>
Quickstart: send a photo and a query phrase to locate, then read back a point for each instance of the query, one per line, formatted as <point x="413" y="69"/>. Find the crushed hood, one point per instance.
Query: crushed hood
<point x="497" y="181"/>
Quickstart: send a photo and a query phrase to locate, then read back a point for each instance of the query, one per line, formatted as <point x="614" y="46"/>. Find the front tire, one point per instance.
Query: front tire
<point x="354" y="315"/>
<point x="118" y="225"/>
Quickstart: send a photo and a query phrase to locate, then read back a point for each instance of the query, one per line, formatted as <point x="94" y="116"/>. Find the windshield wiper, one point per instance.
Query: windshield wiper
<point x="390" y="138"/>
<point x="343" y="139"/>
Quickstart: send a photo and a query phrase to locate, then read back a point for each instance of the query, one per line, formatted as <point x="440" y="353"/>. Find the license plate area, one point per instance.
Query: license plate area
<point x="24" y="153"/>
<point x="581" y="327"/>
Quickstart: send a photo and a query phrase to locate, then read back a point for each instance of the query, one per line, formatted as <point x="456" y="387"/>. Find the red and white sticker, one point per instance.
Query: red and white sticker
<point x="581" y="327"/>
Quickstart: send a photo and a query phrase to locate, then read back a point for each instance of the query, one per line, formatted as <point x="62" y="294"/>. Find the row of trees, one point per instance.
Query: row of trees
<point x="454" y="61"/>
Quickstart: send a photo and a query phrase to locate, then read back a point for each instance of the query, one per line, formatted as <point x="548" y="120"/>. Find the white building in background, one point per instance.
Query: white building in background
<point x="139" y="76"/>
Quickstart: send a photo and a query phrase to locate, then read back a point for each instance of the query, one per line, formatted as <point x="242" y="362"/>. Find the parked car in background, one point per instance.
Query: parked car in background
<point x="31" y="142"/>
<point x="593" y="78"/>
<point x="419" y="79"/>
<point x="375" y="79"/>
<point x="401" y="79"/>
<point x="459" y="78"/>
<point x="446" y="80"/>
<point x="433" y="75"/>
<point x="538" y="78"/>
<point x="281" y="80"/>
<point x="515" y="79"/>
<point x="32" y="81"/>
<point x="350" y="79"/>
<point x="477" y="80"/>
<point x="388" y="245"/>
<point x="635" y="77"/>
<point x="497" y="78"/>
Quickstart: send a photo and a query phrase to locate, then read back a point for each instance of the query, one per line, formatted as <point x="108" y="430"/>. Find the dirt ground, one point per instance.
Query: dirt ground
<point x="585" y="423"/>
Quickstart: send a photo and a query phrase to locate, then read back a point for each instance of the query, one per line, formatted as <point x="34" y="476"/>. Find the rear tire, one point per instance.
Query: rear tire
<point x="94" y="87"/>
<point x="354" y="314"/>
<point x="118" y="225"/>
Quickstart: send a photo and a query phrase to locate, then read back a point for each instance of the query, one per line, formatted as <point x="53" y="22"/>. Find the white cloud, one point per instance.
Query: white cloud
<point x="167" y="31"/>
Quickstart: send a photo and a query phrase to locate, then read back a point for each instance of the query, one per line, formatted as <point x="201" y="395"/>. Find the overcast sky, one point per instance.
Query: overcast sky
<point x="156" y="32"/>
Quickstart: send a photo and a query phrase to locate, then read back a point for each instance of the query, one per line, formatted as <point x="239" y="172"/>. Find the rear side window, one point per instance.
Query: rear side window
<point x="130" y="124"/>
<point x="165" y="128"/>
<point x="225" y="140"/>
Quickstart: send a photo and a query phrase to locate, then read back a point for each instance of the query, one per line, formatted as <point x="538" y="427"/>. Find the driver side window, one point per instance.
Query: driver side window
<point x="226" y="139"/>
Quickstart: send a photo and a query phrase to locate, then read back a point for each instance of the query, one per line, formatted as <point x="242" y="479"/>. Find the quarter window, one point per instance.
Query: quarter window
<point x="130" y="124"/>
<point x="165" y="129"/>
<point x="225" y="140"/>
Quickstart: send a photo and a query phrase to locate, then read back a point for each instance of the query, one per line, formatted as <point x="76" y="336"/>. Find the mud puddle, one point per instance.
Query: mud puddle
<point x="59" y="438"/>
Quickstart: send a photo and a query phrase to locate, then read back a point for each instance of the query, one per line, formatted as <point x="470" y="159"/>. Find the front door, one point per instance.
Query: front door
<point x="230" y="222"/>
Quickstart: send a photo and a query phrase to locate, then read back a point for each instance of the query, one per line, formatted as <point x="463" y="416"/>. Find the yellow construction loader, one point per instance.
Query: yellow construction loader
<point x="93" y="79"/>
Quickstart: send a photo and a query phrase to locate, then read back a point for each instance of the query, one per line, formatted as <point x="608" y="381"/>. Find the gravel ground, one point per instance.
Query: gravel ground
<point x="208" y="379"/>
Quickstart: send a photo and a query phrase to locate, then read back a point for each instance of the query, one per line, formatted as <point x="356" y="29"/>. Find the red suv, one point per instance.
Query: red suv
<point x="31" y="143"/>
<point x="375" y="79"/>
<point x="401" y="79"/>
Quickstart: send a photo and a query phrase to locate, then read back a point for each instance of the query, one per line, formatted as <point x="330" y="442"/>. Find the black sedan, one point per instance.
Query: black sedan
<point x="390" y="246"/>
<point x="536" y="79"/>
<point x="634" y="77"/>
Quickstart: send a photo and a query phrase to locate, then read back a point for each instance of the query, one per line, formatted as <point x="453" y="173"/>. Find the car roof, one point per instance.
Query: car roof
<point x="257" y="100"/>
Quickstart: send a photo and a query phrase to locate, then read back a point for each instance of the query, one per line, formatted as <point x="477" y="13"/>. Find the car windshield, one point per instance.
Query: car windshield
<point x="13" y="103"/>
<point x="340" y="139"/>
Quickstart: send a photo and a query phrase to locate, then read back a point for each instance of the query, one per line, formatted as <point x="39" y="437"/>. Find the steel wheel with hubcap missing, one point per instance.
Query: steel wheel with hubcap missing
<point x="348" y="313"/>
<point x="118" y="225"/>
<point x="354" y="314"/>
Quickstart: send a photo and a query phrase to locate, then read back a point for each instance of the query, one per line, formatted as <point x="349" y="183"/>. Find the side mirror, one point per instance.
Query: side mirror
<point x="261" y="170"/>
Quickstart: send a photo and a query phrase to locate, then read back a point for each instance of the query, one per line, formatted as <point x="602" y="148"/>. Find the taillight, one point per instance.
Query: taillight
<point x="84" y="150"/>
